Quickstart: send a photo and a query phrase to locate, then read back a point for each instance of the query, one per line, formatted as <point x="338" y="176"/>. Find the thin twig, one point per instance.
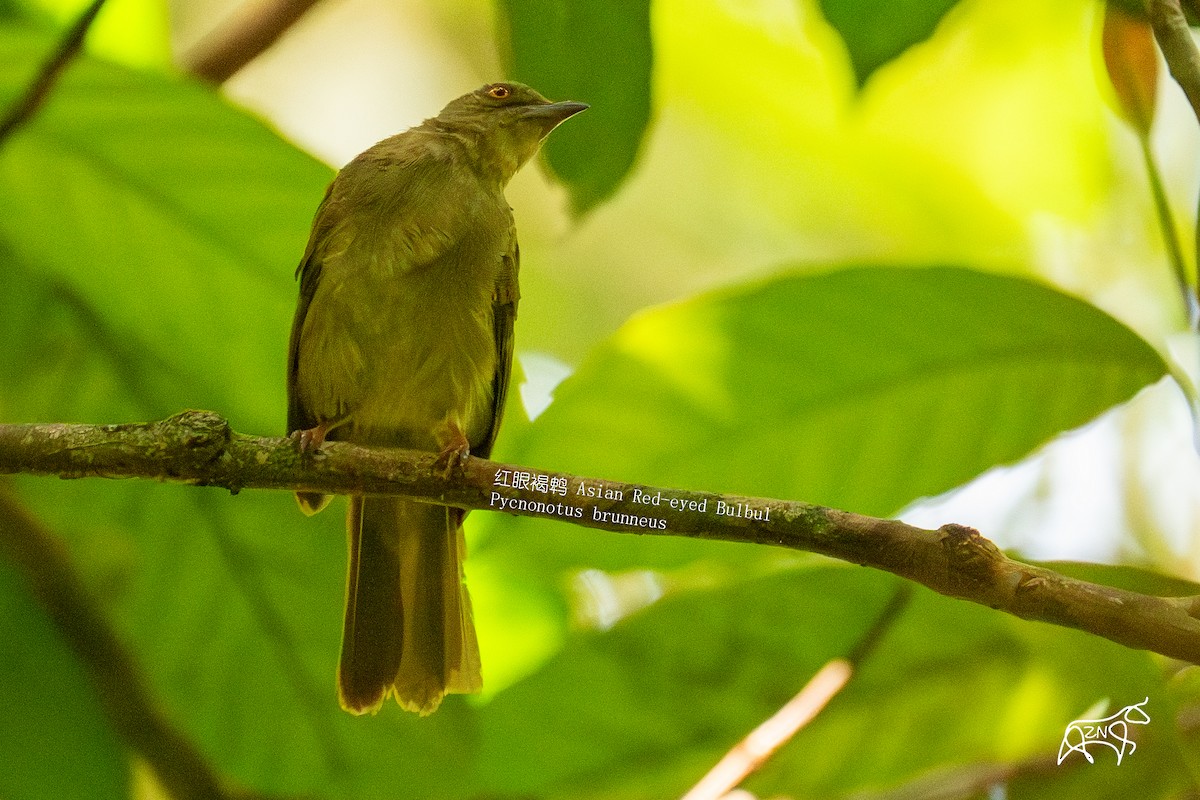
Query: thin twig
<point x="35" y="96"/>
<point x="199" y="448"/>
<point x="1175" y="40"/>
<point x="1166" y="221"/>
<point x="750" y="753"/>
<point x="765" y="740"/>
<point x="243" y="37"/>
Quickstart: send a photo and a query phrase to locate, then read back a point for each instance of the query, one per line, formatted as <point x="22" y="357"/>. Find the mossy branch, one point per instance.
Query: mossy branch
<point x="199" y="447"/>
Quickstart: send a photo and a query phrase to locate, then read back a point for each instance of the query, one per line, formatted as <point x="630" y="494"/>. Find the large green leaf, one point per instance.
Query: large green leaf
<point x="148" y="236"/>
<point x="862" y="388"/>
<point x="876" y="31"/>
<point x="594" y="51"/>
<point x="644" y="709"/>
<point x="54" y="737"/>
<point x="165" y="220"/>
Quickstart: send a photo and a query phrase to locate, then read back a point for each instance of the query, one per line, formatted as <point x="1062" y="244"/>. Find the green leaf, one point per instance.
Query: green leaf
<point x="54" y="735"/>
<point x="597" y="52"/>
<point x="149" y="238"/>
<point x="645" y="709"/>
<point x="876" y="31"/>
<point x="153" y="214"/>
<point x="132" y="32"/>
<point x="863" y="388"/>
<point x="671" y="686"/>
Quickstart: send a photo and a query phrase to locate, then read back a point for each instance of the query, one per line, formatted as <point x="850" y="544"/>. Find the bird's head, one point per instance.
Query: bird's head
<point x="508" y="122"/>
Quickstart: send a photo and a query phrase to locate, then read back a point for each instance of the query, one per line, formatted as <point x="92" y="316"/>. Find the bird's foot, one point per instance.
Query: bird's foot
<point x="308" y="443"/>
<point x="454" y="452"/>
<point x="309" y="440"/>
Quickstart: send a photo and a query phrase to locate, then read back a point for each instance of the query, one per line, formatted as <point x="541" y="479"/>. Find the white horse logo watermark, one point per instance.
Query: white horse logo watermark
<point x="1112" y="731"/>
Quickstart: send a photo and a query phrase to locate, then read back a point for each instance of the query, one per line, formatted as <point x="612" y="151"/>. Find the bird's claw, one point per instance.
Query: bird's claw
<point x="455" y="449"/>
<point x="309" y="440"/>
<point x="452" y="459"/>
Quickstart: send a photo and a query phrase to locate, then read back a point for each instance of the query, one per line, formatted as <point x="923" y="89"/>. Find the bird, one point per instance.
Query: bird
<point x="403" y="337"/>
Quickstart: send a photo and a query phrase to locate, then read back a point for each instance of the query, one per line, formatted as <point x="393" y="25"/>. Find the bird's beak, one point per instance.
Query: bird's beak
<point x="553" y="113"/>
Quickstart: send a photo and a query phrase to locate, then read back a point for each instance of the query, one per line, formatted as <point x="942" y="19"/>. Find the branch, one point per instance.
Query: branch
<point x="243" y="37"/>
<point x="199" y="448"/>
<point x="1178" y="48"/>
<point x="27" y="105"/>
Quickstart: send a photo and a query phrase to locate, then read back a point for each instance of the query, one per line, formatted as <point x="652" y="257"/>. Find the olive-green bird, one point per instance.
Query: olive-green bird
<point x="403" y="337"/>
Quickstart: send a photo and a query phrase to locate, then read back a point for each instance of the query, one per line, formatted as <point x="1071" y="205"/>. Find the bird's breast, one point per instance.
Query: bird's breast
<point x="433" y="356"/>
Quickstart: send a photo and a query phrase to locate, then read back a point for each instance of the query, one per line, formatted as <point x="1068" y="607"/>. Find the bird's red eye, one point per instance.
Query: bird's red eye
<point x="499" y="92"/>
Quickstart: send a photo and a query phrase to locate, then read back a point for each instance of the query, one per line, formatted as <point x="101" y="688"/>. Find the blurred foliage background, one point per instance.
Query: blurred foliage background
<point x="899" y="258"/>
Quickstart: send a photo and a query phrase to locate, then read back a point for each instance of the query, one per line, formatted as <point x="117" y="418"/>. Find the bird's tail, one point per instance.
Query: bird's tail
<point x="408" y="628"/>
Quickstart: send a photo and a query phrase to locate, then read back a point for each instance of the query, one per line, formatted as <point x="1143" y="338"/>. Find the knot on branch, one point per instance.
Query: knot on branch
<point x="972" y="560"/>
<point x="192" y="438"/>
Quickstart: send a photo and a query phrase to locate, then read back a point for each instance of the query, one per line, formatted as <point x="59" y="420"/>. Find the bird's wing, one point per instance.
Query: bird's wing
<point x="504" y="315"/>
<point x="330" y="229"/>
